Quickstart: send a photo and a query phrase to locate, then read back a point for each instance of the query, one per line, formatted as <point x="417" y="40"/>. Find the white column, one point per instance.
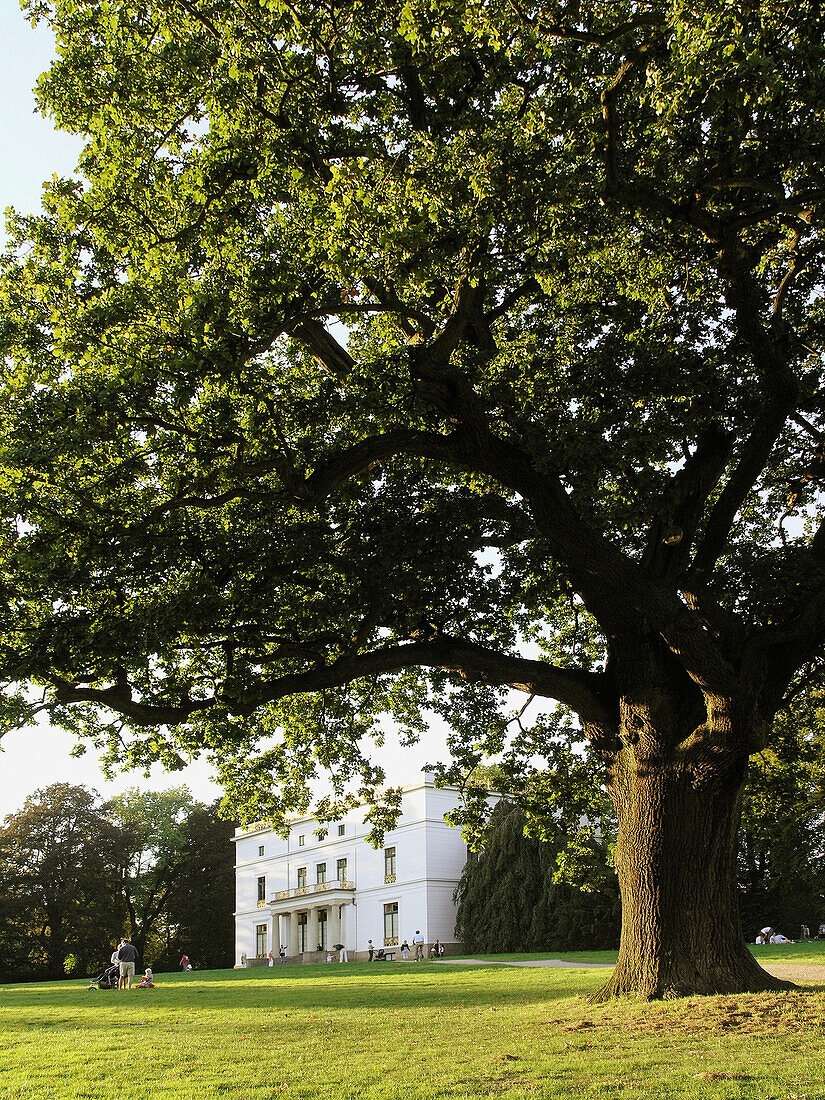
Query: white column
<point x="312" y="928"/>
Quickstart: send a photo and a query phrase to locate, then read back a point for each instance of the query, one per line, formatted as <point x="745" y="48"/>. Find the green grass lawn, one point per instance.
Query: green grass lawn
<point x="810" y="952"/>
<point x="406" y="1032"/>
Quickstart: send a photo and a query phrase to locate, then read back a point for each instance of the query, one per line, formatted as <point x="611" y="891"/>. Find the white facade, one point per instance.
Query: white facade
<point x="308" y="894"/>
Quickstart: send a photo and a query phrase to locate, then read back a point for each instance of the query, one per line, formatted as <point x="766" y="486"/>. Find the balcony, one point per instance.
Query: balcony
<point x="261" y="903"/>
<point x="389" y="878"/>
<point x="318" y="888"/>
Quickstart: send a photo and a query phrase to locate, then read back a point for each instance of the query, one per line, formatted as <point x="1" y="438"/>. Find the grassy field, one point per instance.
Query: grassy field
<point x="407" y="1032"/>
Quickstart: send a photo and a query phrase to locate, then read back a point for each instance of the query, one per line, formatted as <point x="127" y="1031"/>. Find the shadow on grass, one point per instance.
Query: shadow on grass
<point x="293" y="988"/>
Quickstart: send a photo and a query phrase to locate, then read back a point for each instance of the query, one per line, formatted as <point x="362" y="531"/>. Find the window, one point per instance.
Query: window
<point x="302" y="877"/>
<point x="322" y="929"/>
<point x="261" y="889"/>
<point x="341" y="873"/>
<point x="320" y="872"/>
<point x="389" y="865"/>
<point x="341" y="830"/>
<point x="260" y="940"/>
<point x="391" y="924"/>
<point x="260" y="849"/>
<point x="302" y="840"/>
<point x="302" y="931"/>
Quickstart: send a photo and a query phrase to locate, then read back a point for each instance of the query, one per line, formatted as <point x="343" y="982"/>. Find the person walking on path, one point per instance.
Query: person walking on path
<point x="418" y="941"/>
<point x="282" y="954"/>
<point x="405" y="950"/>
<point x="370" y="949"/>
<point x="126" y="958"/>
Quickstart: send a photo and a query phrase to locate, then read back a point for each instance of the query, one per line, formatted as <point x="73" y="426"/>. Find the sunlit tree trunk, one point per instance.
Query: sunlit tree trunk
<point x="676" y="862"/>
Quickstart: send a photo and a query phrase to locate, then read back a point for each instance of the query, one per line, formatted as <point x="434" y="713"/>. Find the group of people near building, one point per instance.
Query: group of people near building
<point x="124" y="957"/>
<point x="338" y="952"/>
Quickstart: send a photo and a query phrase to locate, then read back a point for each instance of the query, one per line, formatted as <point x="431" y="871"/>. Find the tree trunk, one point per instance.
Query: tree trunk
<point x="676" y="862"/>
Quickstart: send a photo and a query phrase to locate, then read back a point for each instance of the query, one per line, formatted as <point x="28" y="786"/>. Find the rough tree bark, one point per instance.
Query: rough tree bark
<point x="676" y="863"/>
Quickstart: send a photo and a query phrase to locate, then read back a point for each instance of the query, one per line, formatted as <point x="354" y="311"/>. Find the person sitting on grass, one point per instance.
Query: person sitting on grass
<point x="147" y="980"/>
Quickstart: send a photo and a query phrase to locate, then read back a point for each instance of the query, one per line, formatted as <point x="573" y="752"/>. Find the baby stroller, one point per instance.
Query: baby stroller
<point x="108" y="979"/>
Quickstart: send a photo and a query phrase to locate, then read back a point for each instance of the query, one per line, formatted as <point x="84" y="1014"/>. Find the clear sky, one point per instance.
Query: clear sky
<point x="31" y="151"/>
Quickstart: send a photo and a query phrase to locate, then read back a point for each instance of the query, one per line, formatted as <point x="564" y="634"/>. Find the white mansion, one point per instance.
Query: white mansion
<point x="308" y="894"/>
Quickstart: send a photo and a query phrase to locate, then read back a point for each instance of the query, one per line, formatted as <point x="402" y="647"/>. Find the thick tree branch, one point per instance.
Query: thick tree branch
<point x="622" y="596"/>
<point x="584" y="692"/>
<point x="671" y="535"/>
<point x="781" y="392"/>
<point x="311" y="490"/>
<point x="323" y="345"/>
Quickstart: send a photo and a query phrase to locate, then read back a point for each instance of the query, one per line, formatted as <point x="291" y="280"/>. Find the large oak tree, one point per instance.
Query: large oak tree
<point x="404" y="355"/>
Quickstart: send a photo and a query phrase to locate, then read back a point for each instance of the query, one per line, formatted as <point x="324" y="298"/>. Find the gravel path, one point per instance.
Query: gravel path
<point x="806" y="974"/>
<point x="531" y="962"/>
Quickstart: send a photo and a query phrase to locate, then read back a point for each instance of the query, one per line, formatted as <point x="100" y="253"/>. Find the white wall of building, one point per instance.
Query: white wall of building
<point x="430" y="857"/>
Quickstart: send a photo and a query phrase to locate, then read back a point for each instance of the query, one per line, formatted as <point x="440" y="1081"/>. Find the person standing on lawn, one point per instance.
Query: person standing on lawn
<point x="126" y="958"/>
<point x="418" y="941"/>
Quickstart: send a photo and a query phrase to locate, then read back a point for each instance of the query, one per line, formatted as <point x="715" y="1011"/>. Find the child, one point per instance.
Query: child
<point x="147" y="980"/>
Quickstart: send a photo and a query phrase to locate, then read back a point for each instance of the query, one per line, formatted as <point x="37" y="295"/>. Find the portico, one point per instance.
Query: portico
<point x="308" y="916"/>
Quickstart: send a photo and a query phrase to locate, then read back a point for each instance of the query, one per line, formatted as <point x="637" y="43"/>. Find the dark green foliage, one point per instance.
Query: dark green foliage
<point x="201" y="905"/>
<point x="568" y="441"/>
<point x="60" y="860"/>
<point x="782" y="839"/>
<point x="75" y="875"/>
<point x="508" y="899"/>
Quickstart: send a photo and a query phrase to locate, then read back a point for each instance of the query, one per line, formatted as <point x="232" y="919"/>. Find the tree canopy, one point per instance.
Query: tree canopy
<point x="76" y="874"/>
<point x="60" y="908"/>
<point x="510" y="897"/>
<point x="392" y="357"/>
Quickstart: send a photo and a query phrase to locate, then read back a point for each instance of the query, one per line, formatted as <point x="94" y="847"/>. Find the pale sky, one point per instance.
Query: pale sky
<point x="32" y="151"/>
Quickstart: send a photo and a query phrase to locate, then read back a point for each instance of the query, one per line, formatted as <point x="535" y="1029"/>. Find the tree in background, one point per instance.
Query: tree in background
<point x="782" y="843"/>
<point x="556" y="449"/>
<point x="76" y="874"/>
<point x="60" y="893"/>
<point x="153" y="828"/>
<point x="542" y="879"/>
<point x="201" y="904"/>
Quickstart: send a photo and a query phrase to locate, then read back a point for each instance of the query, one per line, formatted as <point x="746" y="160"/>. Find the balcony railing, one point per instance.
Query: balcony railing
<point x="318" y="888"/>
<point x="261" y="903"/>
<point x="389" y="878"/>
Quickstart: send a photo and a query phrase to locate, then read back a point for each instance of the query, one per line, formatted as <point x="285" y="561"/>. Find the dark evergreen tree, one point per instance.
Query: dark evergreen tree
<point x="500" y="887"/>
<point x="508" y="899"/>
<point x="201" y="905"/>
